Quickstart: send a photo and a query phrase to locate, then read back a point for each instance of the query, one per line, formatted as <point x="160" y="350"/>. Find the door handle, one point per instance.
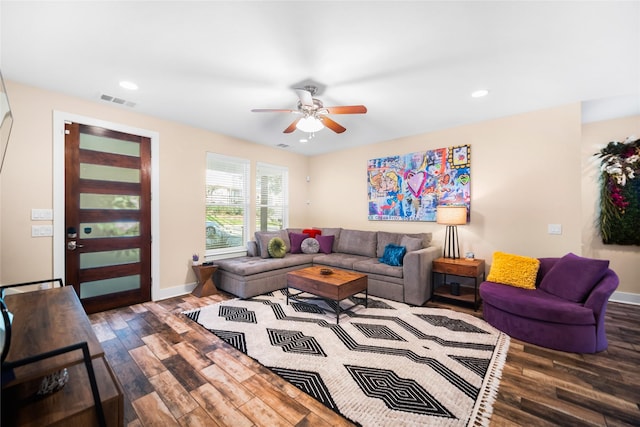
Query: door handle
<point x="73" y="245"/>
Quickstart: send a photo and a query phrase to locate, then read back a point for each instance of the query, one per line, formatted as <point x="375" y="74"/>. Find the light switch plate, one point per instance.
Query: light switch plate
<point x="42" y="214"/>
<point x="41" y="230"/>
<point x="554" y="229"/>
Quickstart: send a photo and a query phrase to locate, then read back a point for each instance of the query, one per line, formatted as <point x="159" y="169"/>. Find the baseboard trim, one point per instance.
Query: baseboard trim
<point x="625" y="298"/>
<point x="175" y="291"/>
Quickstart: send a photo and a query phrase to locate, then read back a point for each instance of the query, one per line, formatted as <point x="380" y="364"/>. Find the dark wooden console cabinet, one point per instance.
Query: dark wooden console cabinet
<point x="44" y="321"/>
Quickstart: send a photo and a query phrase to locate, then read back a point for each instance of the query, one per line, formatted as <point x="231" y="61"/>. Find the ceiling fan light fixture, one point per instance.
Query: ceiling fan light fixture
<point x="309" y="124"/>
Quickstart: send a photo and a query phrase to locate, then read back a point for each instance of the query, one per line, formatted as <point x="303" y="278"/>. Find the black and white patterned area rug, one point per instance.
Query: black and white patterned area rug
<point x="386" y="365"/>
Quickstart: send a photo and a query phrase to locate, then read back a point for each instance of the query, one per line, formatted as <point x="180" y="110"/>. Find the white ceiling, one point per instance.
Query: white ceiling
<point x="412" y="63"/>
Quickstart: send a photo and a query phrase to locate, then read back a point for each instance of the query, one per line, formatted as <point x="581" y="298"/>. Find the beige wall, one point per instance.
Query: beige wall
<point x="625" y="260"/>
<point x="26" y="182"/>
<point x="524" y="175"/>
<point x="527" y="171"/>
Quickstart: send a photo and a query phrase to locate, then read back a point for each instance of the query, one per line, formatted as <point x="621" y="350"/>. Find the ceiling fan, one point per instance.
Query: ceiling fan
<point x="313" y="113"/>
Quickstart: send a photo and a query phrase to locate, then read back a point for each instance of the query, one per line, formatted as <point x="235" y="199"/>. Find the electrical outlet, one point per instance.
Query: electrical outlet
<point x="554" y="228"/>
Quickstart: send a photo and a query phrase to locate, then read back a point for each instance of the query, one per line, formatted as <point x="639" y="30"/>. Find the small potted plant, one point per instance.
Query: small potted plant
<point x="195" y="258"/>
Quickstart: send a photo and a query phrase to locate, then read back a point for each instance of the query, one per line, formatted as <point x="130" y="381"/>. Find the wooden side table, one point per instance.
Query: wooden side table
<point x="458" y="267"/>
<point x="204" y="274"/>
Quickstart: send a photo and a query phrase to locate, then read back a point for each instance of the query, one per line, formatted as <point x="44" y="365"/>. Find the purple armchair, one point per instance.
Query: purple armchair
<point x="566" y="310"/>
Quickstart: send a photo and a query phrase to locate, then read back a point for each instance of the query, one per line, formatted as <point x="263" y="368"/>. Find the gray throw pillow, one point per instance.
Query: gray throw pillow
<point x="252" y="248"/>
<point x="262" y="239"/>
<point x="411" y="243"/>
<point x="425" y="237"/>
<point x="310" y="246"/>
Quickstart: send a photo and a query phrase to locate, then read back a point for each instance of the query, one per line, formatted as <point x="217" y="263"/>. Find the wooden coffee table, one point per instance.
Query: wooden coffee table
<point x="338" y="285"/>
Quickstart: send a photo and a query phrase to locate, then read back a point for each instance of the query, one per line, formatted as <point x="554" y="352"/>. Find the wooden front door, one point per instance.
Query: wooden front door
<point x="107" y="216"/>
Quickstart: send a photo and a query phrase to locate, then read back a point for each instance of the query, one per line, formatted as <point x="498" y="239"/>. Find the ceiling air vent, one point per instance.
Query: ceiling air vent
<point x="118" y="101"/>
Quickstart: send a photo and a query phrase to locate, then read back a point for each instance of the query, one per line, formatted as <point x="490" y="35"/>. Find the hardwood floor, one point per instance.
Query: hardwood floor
<point x="173" y="372"/>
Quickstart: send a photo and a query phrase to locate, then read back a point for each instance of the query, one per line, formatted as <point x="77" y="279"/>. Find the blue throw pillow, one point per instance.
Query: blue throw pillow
<point x="393" y="254"/>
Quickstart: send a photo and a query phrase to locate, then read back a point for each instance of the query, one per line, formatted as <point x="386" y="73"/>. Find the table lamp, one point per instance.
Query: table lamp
<point x="451" y="216"/>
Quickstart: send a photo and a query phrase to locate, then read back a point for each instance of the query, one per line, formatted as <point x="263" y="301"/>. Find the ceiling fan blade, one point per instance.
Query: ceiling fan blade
<point x="305" y="97"/>
<point x="272" y="110"/>
<point x="292" y="126"/>
<point x="347" y="109"/>
<point x="331" y="124"/>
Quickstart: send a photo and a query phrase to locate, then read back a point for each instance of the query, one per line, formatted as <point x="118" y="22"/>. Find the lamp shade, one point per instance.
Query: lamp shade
<point x="309" y="124"/>
<point x="451" y="215"/>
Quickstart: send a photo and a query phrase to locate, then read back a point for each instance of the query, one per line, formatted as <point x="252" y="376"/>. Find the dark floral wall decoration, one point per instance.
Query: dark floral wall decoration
<point x="619" y="220"/>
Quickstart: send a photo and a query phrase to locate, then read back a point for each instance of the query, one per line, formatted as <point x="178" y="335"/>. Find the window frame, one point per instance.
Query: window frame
<point x="282" y="203"/>
<point x="245" y="166"/>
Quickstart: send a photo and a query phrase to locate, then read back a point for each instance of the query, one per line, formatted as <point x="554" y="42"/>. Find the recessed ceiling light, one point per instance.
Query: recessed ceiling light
<point x="128" y="85"/>
<point x="479" y="93"/>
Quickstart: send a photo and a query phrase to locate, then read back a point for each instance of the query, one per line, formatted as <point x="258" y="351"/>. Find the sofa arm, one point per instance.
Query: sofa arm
<point x="416" y="270"/>
<point x="599" y="296"/>
<point x="597" y="301"/>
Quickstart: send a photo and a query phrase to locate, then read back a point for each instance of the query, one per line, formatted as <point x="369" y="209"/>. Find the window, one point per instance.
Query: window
<point x="272" y="206"/>
<point x="227" y="203"/>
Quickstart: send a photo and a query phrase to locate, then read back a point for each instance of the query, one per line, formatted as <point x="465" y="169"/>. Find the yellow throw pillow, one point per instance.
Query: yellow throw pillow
<point x="514" y="270"/>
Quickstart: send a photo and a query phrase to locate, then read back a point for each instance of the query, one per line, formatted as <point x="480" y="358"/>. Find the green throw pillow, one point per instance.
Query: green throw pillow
<point x="277" y="247"/>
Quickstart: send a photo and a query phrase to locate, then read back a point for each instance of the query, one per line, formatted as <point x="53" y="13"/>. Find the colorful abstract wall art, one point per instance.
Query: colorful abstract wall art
<point x="409" y="187"/>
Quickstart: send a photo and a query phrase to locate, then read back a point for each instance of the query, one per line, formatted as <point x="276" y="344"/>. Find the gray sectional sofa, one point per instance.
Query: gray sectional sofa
<point x="355" y="250"/>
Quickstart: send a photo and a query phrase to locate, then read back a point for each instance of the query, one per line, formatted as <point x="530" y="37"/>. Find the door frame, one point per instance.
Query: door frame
<point x="59" y="119"/>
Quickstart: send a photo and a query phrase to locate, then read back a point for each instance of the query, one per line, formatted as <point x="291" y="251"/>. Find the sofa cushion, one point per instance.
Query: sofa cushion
<point x="327" y="231"/>
<point x="373" y="266"/>
<point x="385" y="238"/>
<point x="393" y="255"/>
<point x="411" y="243"/>
<point x="340" y="260"/>
<point x="247" y="266"/>
<point x="546" y="264"/>
<point x="326" y="243"/>
<point x="425" y="237"/>
<point x="310" y="246"/>
<point x="358" y="242"/>
<point x="535" y="304"/>
<point x="263" y="238"/>
<point x="573" y="277"/>
<point x="252" y="248"/>
<point x="514" y="270"/>
<point x="296" y="240"/>
<point x="277" y="248"/>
